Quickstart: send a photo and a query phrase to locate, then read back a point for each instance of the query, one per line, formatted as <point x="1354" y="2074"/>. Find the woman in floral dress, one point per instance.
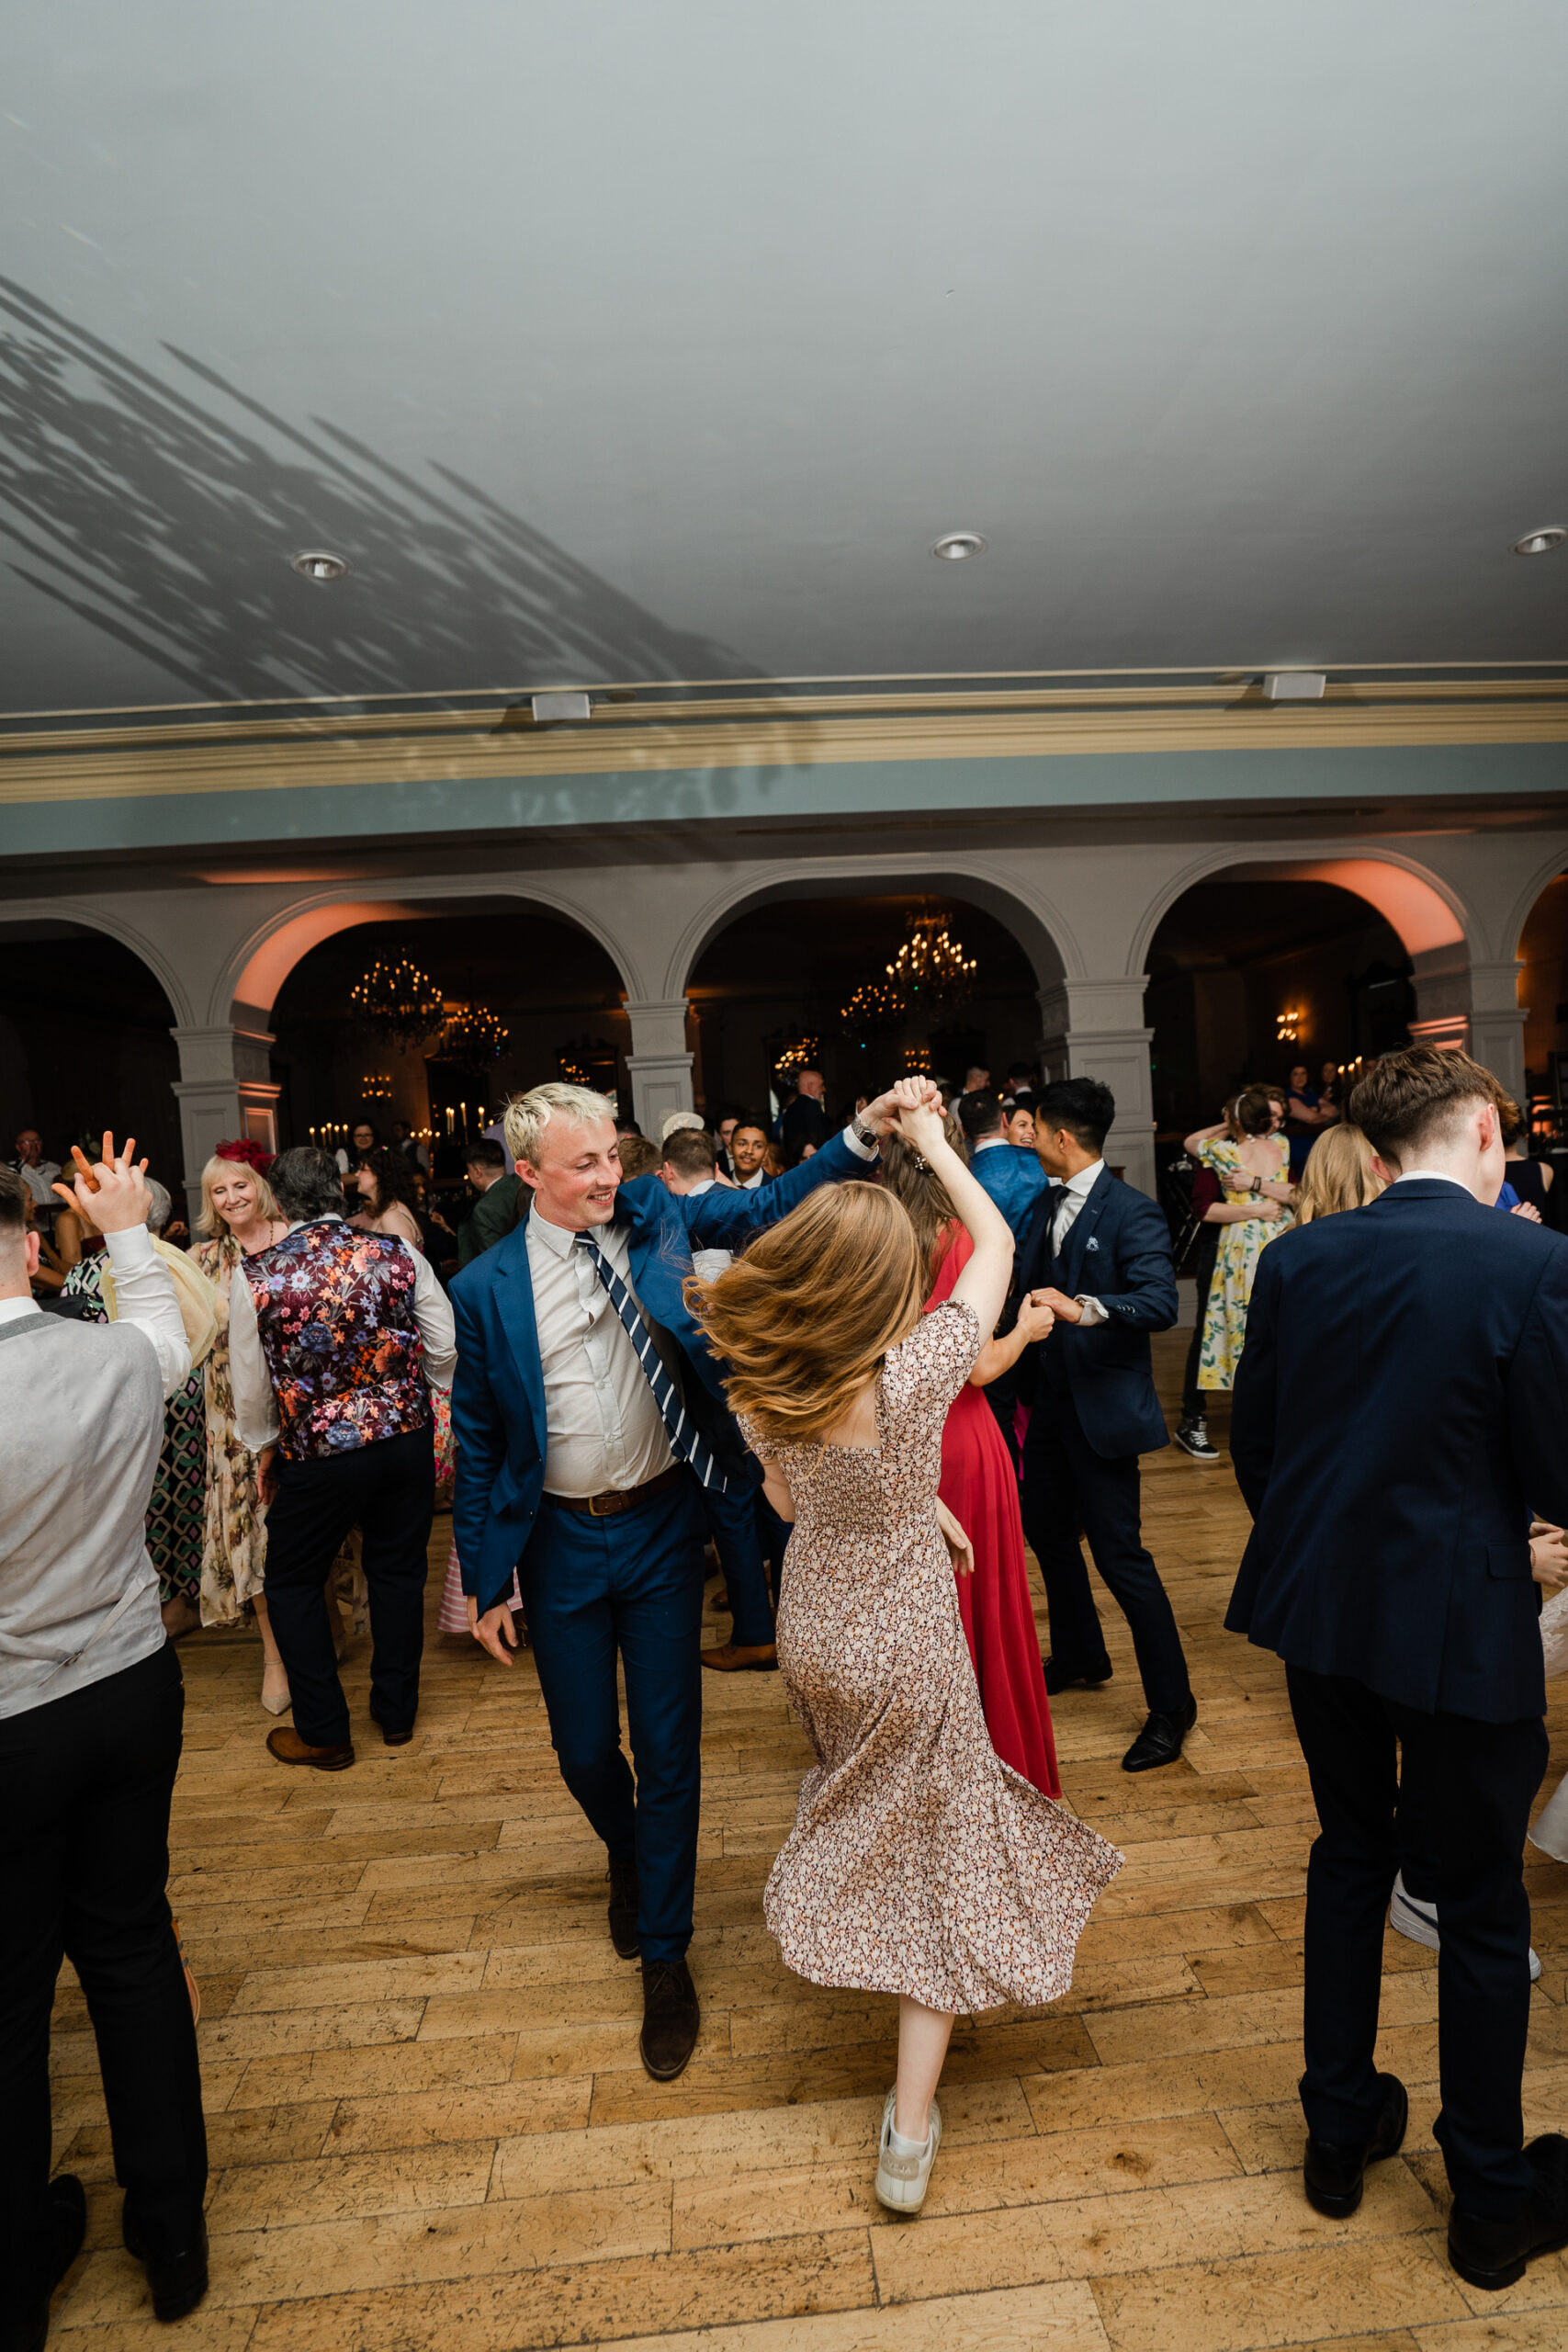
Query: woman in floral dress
<point x="238" y="1217"/>
<point x="1253" y="1164"/>
<point x="919" y="1863"/>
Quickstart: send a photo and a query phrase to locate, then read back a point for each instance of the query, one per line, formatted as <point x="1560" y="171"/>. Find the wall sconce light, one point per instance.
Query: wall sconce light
<point x="1288" y="1027"/>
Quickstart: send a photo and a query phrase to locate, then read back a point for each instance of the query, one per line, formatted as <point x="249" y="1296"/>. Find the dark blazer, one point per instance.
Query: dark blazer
<point x="1400" y="1409"/>
<point x="1118" y="1251"/>
<point x="498" y="1390"/>
<point x="1014" y="1179"/>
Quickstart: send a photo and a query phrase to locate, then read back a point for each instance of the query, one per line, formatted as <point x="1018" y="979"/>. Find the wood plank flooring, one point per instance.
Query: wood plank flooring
<point x="429" y="2129"/>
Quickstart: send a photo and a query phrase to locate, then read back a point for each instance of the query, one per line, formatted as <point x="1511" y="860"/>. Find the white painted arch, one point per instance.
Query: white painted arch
<point x="106" y="916"/>
<point x="1420" y="905"/>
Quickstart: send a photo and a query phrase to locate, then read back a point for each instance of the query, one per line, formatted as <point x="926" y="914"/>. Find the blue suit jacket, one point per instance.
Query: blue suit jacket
<point x="1400" y="1409"/>
<point x="1014" y="1179"/>
<point x="497" y="1389"/>
<point x="1118" y="1251"/>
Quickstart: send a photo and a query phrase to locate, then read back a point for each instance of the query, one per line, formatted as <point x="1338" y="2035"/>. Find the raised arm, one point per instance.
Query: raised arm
<point x="113" y="1194"/>
<point x="983" y="1285"/>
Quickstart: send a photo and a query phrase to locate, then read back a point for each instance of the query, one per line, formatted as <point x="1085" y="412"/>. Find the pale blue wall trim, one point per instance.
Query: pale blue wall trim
<point x="911" y="787"/>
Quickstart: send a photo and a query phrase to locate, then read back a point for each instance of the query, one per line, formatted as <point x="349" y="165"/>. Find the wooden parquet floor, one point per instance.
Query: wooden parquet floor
<point x="429" y="2129"/>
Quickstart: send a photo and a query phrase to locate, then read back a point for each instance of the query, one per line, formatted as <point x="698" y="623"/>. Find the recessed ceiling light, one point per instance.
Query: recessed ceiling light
<point x="955" y="547"/>
<point x="314" y="563"/>
<point x="1542" y="542"/>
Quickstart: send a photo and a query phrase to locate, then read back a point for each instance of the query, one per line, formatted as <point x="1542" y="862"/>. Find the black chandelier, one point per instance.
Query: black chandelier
<point x="473" y="1035"/>
<point x="931" y="972"/>
<point x="875" y="1009"/>
<point x="398" y="1003"/>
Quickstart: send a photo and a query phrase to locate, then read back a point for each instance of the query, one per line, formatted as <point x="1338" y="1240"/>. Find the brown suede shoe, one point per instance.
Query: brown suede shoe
<point x="285" y="1744"/>
<point x="670" y="2018"/>
<point x="761" y="1658"/>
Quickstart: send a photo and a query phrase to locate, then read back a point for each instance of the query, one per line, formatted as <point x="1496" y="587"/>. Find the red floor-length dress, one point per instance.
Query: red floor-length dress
<point x="980" y="1490"/>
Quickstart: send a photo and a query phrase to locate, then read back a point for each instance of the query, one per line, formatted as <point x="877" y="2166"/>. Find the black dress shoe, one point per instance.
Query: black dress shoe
<point x="178" y="2280"/>
<point x="670" y="2018"/>
<point x="1494" y="2254"/>
<point x="623" y="1909"/>
<point x="1060" y="1676"/>
<point x="1332" y="2174"/>
<point x="26" y="2326"/>
<point x="1160" y="1740"/>
<point x="389" y="1739"/>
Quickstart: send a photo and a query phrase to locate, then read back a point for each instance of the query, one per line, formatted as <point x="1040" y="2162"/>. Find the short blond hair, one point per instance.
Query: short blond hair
<point x="209" y="1223"/>
<point x="528" y="1116"/>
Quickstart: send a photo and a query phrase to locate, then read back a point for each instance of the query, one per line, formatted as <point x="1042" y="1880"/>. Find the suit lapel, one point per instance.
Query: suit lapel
<point x="1078" y="1241"/>
<point x="512" y="1292"/>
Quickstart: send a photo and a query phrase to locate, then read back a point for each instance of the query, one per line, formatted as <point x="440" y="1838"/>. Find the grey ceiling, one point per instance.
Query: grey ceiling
<point x="611" y="338"/>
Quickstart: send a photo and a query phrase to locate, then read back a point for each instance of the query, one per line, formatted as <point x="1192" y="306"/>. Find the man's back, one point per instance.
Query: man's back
<point x="1398" y="1416"/>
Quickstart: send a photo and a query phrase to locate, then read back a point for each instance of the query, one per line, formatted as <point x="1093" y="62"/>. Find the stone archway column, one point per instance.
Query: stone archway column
<point x="226" y="1090"/>
<point x="1094" y="1029"/>
<point x="1466" y="1006"/>
<point x="660" y="1062"/>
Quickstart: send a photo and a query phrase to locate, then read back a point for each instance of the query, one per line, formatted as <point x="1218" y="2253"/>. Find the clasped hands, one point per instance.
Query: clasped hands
<point x="112" y="1193"/>
<point x="1549" y="1556"/>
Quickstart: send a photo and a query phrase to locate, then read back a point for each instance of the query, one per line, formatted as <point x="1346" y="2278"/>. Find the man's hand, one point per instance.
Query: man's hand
<point x="113" y="1194"/>
<point x="909" y="1094"/>
<point x="1548" y="1554"/>
<point x="1064" y="1309"/>
<point x="266" y="1477"/>
<point x="490" y="1629"/>
<point x="1035" y="1320"/>
<point x="1268" y="1210"/>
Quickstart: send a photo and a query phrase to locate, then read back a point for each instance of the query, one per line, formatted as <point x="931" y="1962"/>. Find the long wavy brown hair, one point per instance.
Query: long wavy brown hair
<point x="803" y="1321"/>
<point x="932" y="1214"/>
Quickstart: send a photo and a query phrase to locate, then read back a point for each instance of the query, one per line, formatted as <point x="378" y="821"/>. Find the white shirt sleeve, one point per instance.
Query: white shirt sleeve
<point x="256" y="1407"/>
<point x="146" y="1297"/>
<point x="1093" y="1312"/>
<point x="432" y="1312"/>
<point x="860" y="1150"/>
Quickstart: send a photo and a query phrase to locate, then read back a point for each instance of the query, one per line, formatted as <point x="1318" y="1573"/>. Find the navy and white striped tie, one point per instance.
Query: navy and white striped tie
<point x="689" y="1445"/>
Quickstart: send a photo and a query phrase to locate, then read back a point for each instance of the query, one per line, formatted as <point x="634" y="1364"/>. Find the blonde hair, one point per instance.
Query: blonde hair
<point x="906" y="1177"/>
<point x="209" y="1224"/>
<point x="1338" y="1175"/>
<point x="528" y="1116"/>
<point x="805" y="1319"/>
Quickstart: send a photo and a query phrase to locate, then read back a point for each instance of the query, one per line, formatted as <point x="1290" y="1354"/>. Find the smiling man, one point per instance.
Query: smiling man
<point x="589" y="1417"/>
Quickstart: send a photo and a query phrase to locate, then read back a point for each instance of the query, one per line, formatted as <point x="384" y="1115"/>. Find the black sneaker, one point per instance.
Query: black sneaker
<point x="1192" y="1436"/>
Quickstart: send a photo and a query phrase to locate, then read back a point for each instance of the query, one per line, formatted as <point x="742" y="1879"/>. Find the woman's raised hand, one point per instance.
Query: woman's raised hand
<point x="1036" y="1320"/>
<point x="113" y="1193"/>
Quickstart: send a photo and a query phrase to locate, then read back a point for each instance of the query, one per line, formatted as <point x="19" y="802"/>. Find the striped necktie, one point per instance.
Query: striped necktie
<point x="689" y="1445"/>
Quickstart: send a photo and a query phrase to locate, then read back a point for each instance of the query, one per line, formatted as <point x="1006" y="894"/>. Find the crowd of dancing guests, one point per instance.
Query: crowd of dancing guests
<point x="855" y="1365"/>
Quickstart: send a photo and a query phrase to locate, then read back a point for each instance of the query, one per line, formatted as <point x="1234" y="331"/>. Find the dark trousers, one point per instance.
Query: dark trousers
<point x="734" y="1523"/>
<point x="633" y="1586"/>
<point x="388" y="1491"/>
<point x="1068" y="1490"/>
<point x="1447" y="1799"/>
<point x="1194" y="1400"/>
<point x="85" y="1789"/>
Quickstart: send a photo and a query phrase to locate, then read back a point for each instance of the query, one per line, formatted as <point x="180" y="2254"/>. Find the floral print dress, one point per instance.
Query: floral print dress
<point x="174" y="1511"/>
<point x="233" y="1552"/>
<point x="918" y="1862"/>
<point x="1236" y="1264"/>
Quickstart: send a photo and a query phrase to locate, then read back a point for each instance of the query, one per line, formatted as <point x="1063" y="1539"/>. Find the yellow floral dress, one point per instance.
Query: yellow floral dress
<point x="1241" y="1246"/>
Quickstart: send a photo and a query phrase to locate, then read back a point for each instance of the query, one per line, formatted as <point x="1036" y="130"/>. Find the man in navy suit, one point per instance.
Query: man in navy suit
<point x="588" y="1413"/>
<point x="1098" y="1253"/>
<point x="1398" y="1416"/>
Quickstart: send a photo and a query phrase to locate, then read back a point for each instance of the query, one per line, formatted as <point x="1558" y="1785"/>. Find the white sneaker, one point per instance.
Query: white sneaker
<point x="902" y="2181"/>
<point x="1407" y="1916"/>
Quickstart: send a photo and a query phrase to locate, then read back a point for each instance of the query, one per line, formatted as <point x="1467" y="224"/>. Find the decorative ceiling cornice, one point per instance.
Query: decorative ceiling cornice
<point x="664" y="727"/>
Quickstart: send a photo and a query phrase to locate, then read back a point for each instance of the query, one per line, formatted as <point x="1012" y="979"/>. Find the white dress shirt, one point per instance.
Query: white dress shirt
<point x="145" y="1301"/>
<point x="708" y="1263"/>
<point x="40" y="1181"/>
<point x="603" y="1429"/>
<point x="1432" y="1176"/>
<point x="1067" y="1200"/>
<point x="255" y="1405"/>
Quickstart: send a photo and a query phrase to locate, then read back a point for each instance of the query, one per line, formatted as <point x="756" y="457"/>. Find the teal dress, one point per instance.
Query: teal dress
<point x="177" y="1511"/>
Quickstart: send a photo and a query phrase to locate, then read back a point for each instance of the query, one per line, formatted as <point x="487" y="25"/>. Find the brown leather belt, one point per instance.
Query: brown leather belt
<point x="619" y="1498"/>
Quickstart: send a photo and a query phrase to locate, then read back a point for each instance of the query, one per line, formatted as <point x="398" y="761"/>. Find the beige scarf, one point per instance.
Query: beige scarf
<point x="197" y="1294"/>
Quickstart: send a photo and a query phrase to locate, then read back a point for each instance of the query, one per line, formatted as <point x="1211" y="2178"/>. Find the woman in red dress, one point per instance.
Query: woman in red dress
<point x="981" y="1491"/>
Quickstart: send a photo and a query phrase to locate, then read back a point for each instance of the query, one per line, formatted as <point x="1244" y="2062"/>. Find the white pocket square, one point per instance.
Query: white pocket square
<point x="1091" y="1243"/>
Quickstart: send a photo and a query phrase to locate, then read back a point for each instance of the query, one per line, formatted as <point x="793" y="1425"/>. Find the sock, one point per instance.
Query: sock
<point x="902" y="2147"/>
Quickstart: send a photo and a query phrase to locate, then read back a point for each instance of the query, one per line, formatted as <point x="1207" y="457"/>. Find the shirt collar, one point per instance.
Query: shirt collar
<point x="1084" y="1182"/>
<point x="1434" y="1176"/>
<point x="983" y="1143"/>
<point x="13" y="1309"/>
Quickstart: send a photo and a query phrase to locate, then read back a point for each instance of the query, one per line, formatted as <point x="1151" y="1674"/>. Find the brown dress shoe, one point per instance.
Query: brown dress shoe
<point x="758" y="1658"/>
<point x="390" y="1738"/>
<point x="285" y="1744"/>
<point x="670" y="2018"/>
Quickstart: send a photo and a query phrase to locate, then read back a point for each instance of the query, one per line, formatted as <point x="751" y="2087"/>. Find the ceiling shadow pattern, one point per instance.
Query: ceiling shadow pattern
<point x="165" y="518"/>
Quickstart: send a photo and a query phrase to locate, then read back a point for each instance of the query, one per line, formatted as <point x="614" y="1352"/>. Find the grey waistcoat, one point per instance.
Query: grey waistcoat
<point x="81" y="1428"/>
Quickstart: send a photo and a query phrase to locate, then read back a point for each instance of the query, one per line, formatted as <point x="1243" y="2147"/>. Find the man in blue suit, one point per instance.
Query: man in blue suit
<point x="1098" y="1253"/>
<point x="1013" y="1177"/>
<point x="588" y="1413"/>
<point x="1398" y="1416"/>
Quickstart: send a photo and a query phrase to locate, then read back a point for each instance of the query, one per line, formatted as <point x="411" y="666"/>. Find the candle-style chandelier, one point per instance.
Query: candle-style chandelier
<point x="931" y="972"/>
<point x="398" y="1003"/>
<point x="473" y="1035"/>
<point x="875" y="1008"/>
<point x="376" y="1087"/>
<point x="792" y="1050"/>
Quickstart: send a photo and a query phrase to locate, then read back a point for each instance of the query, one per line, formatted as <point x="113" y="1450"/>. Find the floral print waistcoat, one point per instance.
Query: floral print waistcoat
<point x="335" y="1308"/>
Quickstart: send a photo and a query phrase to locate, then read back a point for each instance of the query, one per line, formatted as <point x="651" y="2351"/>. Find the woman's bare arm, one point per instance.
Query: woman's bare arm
<point x="776" y="1486"/>
<point x="1034" y="1322"/>
<point x="983" y="1285"/>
